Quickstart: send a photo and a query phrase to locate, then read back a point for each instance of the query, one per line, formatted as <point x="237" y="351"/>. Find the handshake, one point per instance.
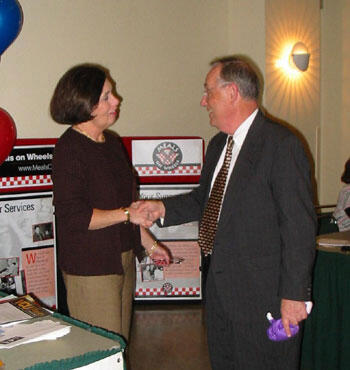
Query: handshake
<point x="146" y="212"/>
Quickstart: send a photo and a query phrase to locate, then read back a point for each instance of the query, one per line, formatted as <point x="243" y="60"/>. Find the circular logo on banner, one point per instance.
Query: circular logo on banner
<point x="167" y="288"/>
<point x="167" y="156"/>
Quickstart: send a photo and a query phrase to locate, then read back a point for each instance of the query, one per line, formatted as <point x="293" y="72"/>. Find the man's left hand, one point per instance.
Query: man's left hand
<point x="292" y="312"/>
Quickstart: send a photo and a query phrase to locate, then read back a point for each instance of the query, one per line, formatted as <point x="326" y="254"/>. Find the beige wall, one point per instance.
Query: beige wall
<point x="294" y="97"/>
<point x="335" y="97"/>
<point x="246" y="30"/>
<point x="157" y="50"/>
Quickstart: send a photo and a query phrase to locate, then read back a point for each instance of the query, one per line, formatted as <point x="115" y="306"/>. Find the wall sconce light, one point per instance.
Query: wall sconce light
<point x="299" y="57"/>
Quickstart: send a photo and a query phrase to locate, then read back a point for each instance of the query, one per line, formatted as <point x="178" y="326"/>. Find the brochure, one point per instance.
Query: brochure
<point x="20" y="309"/>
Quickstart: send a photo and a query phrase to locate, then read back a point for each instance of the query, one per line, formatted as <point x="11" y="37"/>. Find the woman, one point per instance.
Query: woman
<point x="93" y="186"/>
<point x="342" y="210"/>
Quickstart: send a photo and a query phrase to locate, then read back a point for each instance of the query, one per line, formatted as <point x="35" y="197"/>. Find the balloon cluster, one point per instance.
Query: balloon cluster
<point x="10" y="26"/>
<point x="7" y="135"/>
<point x="10" y="22"/>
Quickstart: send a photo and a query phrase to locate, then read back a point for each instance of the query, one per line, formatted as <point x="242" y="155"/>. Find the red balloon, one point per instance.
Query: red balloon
<point x="7" y="135"/>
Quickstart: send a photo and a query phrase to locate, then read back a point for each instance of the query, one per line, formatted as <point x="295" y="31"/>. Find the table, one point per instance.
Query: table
<point x="326" y="343"/>
<point x="85" y="345"/>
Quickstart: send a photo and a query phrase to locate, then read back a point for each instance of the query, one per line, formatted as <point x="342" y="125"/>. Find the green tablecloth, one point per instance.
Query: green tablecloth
<point x="326" y="344"/>
<point x="83" y="346"/>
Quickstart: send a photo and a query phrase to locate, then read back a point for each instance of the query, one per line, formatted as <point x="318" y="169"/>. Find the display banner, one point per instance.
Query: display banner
<point x="28" y="166"/>
<point x="27" y="253"/>
<point x="168" y="157"/>
<point x="182" y="278"/>
<point x="27" y="230"/>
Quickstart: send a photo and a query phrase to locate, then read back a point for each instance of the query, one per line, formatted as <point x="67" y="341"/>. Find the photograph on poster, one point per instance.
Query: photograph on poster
<point x="7" y="285"/>
<point x="42" y="231"/>
<point x="188" y="231"/>
<point x="150" y="271"/>
<point x="9" y="267"/>
<point x="9" y="270"/>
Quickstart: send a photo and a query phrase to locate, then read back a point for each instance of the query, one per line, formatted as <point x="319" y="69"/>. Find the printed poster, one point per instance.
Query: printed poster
<point x="168" y="157"/>
<point x="27" y="235"/>
<point x="28" y="166"/>
<point x="188" y="231"/>
<point x="39" y="271"/>
<point x="27" y="253"/>
<point x="182" y="278"/>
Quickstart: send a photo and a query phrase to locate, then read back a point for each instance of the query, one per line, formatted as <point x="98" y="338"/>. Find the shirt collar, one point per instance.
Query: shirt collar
<point x="241" y="133"/>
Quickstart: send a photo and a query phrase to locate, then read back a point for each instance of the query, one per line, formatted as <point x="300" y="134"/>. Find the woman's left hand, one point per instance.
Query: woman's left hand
<point x="161" y="255"/>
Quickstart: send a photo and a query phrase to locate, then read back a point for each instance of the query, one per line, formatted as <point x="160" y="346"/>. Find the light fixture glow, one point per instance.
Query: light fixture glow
<point x="299" y="57"/>
<point x="284" y="63"/>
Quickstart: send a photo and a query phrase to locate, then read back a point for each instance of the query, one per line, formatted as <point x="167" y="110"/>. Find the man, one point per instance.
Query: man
<point x="263" y="249"/>
<point x="38" y="234"/>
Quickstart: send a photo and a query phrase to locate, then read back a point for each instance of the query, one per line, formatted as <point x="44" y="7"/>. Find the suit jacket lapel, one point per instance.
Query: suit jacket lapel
<point x="212" y="161"/>
<point x="244" y="167"/>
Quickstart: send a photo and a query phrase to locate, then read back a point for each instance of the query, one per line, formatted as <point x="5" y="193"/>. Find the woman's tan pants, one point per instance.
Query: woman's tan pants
<point x="106" y="300"/>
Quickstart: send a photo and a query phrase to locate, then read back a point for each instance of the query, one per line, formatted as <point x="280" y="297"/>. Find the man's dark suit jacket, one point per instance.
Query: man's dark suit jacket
<point x="265" y="242"/>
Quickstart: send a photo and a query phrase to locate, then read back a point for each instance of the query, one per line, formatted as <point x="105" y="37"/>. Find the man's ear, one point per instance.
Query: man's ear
<point x="233" y="91"/>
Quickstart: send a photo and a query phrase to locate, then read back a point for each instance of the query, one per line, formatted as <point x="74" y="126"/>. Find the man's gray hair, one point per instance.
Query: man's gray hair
<point x="236" y="69"/>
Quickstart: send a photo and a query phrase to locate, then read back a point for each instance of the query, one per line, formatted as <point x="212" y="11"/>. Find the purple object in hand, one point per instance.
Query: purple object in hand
<point x="276" y="330"/>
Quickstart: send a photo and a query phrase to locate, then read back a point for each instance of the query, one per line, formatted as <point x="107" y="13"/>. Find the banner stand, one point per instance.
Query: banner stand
<point x="165" y="165"/>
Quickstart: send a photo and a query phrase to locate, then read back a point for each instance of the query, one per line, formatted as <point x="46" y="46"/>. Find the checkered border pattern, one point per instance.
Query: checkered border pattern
<point x="25" y="181"/>
<point x="184" y="291"/>
<point x="186" y="170"/>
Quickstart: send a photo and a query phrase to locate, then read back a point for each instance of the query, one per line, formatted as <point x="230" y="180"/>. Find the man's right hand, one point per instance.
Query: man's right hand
<point x="153" y="208"/>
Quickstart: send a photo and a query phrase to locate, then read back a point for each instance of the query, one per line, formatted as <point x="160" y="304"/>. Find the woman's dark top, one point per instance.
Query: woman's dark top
<point x="89" y="175"/>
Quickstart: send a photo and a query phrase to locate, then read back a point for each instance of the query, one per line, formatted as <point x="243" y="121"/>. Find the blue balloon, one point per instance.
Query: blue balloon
<point x="10" y="22"/>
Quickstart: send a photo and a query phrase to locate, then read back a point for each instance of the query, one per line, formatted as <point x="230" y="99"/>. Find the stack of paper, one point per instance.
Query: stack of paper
<point x="11" y="336"/>
<point x="20" y="309"/>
